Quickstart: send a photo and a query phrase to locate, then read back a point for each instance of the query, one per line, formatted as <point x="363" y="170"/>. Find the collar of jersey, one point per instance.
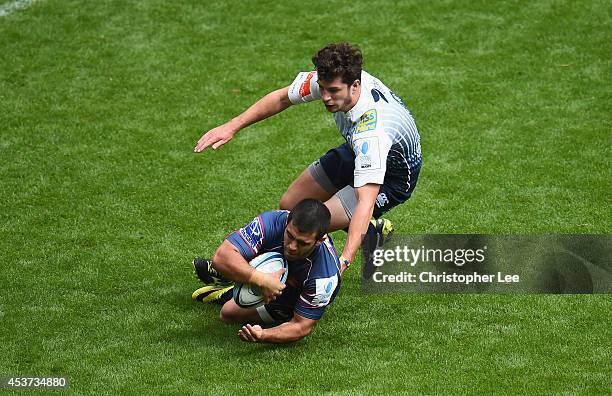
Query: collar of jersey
<point x="364" y="104"/>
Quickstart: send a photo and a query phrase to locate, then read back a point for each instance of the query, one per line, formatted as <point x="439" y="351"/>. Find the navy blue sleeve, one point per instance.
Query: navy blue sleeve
<point x="322" y="286"/>
<point x="316" y="296"/>
<point x="263" y="233"/>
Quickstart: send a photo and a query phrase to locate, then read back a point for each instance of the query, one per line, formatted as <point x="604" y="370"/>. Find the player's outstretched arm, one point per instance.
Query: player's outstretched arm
<point x="271" y="104"/>
<point x="366" y="199"/>
<point x="294" y="330"/>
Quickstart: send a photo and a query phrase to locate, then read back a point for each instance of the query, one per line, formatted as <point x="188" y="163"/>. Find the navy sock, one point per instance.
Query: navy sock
<point x="369" y="244"/>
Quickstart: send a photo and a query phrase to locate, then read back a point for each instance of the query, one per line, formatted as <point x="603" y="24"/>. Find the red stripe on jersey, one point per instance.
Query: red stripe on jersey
<point x="307" y="304"/>
<point x="305" y="87"/>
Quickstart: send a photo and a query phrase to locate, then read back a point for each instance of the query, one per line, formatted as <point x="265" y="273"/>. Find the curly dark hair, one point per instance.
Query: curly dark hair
<point x="339" y="60"/>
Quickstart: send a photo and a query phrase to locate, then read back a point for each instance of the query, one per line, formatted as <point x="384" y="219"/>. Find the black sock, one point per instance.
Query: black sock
<point x="371" y="241"/>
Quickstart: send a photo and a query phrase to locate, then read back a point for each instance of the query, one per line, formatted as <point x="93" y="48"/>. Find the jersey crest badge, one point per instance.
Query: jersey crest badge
<point x="253" y="235"/>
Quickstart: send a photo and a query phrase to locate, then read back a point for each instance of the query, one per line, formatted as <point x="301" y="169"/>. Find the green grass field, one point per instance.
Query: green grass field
<point x="104" y="204"/>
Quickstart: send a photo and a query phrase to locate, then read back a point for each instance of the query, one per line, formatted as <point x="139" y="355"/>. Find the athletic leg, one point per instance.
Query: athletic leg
<point x="323" y="178"/>
<point x="277" y="311"/>
<point x="305" y="186"/>
<point x="231" y="313"/>
<point x="339" y="215"/>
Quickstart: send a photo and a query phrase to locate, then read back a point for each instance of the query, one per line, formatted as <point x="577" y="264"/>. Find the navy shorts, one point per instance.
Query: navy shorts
<point x="338" y="165"/>
<point x="281" y="309"/>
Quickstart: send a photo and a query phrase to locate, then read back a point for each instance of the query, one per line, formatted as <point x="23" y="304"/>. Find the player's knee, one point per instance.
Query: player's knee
<point x="226" y="316"/>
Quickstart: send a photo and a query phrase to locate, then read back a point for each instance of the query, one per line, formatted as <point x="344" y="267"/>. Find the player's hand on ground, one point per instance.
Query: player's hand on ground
<point x="216" y="138"/>
<point x="250" y="333"/>
<point x="272" y="286"/>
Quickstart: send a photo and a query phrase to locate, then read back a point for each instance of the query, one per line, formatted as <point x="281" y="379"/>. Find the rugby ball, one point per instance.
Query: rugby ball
<point x="249" y="296"/>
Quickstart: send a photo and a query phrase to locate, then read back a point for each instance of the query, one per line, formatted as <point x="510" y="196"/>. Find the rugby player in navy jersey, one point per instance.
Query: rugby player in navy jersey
<point x="376" y="169"/>
<point x="312" y="283"/>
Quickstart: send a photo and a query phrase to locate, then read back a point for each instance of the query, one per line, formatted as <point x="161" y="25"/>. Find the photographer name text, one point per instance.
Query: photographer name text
<point x="430" y="277"/>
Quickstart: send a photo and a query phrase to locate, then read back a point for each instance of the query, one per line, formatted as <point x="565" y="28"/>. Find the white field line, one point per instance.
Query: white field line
<point x="15" y="5"/>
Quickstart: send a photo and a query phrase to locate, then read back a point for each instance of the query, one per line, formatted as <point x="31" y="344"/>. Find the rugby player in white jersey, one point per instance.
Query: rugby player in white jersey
<point x="378" y="166"/>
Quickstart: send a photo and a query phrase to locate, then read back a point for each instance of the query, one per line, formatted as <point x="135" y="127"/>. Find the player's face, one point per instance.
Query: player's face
<point x="338" y="96"/>
<point x="298" y="245"/>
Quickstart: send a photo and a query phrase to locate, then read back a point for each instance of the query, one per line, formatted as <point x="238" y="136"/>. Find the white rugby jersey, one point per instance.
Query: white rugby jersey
<point x="379" y="128"/>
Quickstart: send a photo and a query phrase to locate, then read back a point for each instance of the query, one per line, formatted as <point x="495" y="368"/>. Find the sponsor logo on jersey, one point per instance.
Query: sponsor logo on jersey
<point x="367" y="151"/>
<point x="366" y="160"/>
<point x="367" y="122"/>
<point x="324" y="290"/>
<point x="253" y="234"/>
<point x="305" y="87"/>
<point x="364" y="148"/>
